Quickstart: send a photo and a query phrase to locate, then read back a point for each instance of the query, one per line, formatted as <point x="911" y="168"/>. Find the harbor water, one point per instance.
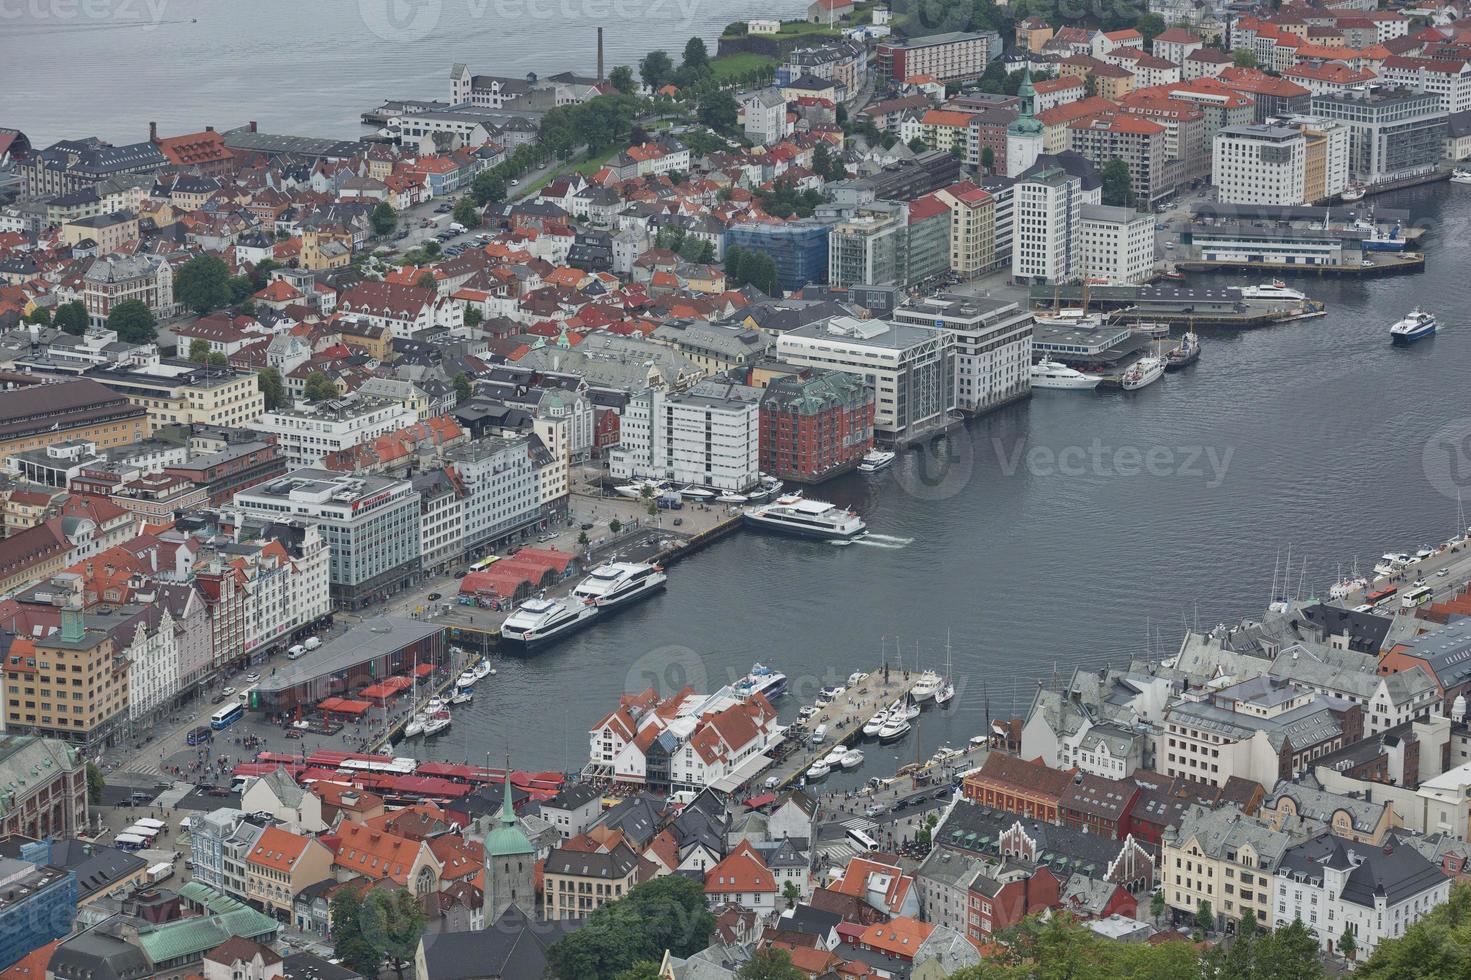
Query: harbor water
<point x="1077" y="529"/>
<point x="307" y="69"/>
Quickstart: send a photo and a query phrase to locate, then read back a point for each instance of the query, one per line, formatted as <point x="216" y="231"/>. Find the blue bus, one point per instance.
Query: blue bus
<point x="227" y="716"/>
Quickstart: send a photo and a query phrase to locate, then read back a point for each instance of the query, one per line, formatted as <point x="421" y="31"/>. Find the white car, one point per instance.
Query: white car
<point x="228" y="691"/>
<point x="252" y="677"/>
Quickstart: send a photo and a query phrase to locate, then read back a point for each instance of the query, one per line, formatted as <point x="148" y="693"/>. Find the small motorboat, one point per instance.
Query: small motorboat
<point x="856" y="678"/>
<point x="834" y="759"/>
<point x="463" y="696"/>
<point x="466" y="679"/>
<point x="878" y="721"/>
<point x="808" y="711"/>
<point x="819" y="770"/>
<point x="876" y="460"/>
<point x="895" y="729"/>
<point x="695" y="493"/>
<point x="852" y="759"/>
<point x="929" y="683"/>
<point x="415" y="727"/>
<point x="732" y="498"/>
<point x="483" y="669"/>
<point x="437" y="723"/>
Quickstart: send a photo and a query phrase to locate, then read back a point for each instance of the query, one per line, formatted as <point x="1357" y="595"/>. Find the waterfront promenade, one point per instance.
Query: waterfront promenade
<point x="844" y="719"/>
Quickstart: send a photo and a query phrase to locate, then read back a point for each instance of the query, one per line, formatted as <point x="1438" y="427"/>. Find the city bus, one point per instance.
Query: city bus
<point x="1417" y="597"/>
<point x="484" y="563"/>
<point x="862" y="841"/>
<point x="227" y="716"/>
<point x="1380" y="597"/>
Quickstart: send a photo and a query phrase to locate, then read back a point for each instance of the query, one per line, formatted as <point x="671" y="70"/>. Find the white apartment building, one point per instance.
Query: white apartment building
<point x="306" y="434"/>
<point x="1047" y="241"/>
<point x="402" y="310"/>
<point x="1336" y="885"/>
<point x="153" y="666"/>
<point x="910" y="368"/>
<point x="993" y="346"/>
<point x="500" y="489"/>
<point x="708" y="436"/>
<point x="1259" y="164"/>
<point x="1118" y="244"/>
<point x="1449" y="79"/>
<point x="441" y="520"/>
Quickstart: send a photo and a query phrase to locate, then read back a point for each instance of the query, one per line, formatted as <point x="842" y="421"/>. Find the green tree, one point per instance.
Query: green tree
<point x="1157" y="905"/>
<point x="622" y="79"/>
<point x="71" y="317"/>
<point x="462" y="387"/>
<point x="734" y="254"/>
<point x="656" y="69"/>
<point x="1150" y="26"/>
<point x="261" y="274"/>
<point x="918" y="145"/>
<point x="319" y="388"/>
<point x="1249" y="926"/>
<point x="355" y="950"/>
<point x="40" y="315"/>
<point x="96" y="783"/>
<point x="1347" y="944"/>
<point x="203" y="283"/>
<point x="393" y="921"/>
<point x="426" y="280"/>
<point x="240" y="289"/>
<point x="642" y="970"/>
<point x="759" y="270"/>
<point x="217" y="359"/>
<point x="1243" y="58"/>
<point x="696" y="58"/>
<point x="988" y="159"/>
<point x="1205" y="919"/>
<point x="771" y="963"/>
<point x="1118" y="185"/>
<point x="199" y="350"/>
<point x="488" y="187"/>
<point x="791" y="893"/>
<point x="473" y="316"/>
<point x="718" y="110"/>
<point x="925" y="835"/>
<point x="582" y="539"/>
<point x="271" y="387"/>
<point x="133" y="321"/>
<point x="385" y="219"/>
<point x="822" y="159"/>
<point x="467" y="214"/>
<point x="615" y="525"/>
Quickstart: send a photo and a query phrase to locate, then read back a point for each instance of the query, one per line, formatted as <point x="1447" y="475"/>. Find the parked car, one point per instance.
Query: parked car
<point x="313" y="642"/>
<point x="433" y="597"/>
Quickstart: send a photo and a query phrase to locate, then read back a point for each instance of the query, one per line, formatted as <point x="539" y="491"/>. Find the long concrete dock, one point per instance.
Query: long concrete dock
<point x="844" y="718"/>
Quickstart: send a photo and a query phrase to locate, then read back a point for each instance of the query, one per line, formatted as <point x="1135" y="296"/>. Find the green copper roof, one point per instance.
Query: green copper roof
<point x="507" y="839"/>
<point x="192" y="937"/>
<point x="1025" y="123"/>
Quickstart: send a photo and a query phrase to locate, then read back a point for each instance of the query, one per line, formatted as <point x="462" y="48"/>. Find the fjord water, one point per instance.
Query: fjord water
<point x="305" y="67"/>
<point x="1039" y="560"/>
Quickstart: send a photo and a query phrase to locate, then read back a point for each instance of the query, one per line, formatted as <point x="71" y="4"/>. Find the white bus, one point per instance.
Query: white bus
<point x="1417" y="597"/>
<point x="227" y="716"/>
<point x="862" y="841"/>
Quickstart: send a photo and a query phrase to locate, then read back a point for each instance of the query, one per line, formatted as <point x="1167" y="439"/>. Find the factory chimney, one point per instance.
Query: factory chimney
<point x="600" y="55"/>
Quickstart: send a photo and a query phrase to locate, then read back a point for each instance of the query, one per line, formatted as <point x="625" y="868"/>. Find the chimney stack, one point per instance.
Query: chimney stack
<point x="600" y="55"/>
<point x="252" y="125"/>
<point x="153" y="132"/>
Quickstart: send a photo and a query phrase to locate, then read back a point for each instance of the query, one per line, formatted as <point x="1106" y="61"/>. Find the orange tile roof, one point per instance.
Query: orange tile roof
<point x="901" y="936"/>
<point x="278" y="849"/>
<point x="375" y="854"/>
<point x="742" y="870"/>
<point x="946" y="117"/>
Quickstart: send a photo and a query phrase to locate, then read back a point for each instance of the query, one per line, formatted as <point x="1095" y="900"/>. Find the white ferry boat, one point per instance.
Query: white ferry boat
<point x="1461" y="176"/>
<point x="805" y="518"/>
<point x="766" y="681"/>
<point x="620" y="582"/>
<point x="1274" y="290"/>
<point x="540" y="621"/>
<point x="1417" y="326"/>
<point x="1055" y="374"/>
<point x="876" y="460"/>
<point x="1145" y="371"/>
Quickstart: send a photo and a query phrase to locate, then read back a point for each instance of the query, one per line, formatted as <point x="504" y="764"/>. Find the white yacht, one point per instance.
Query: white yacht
<point x="929" y="683"/>
<point x="894" y="730"/>
<point x="467" y="678"/>
<point x="415" y="727"/>
<point x="636" y="489"/>
<point x="1459" y="176"/>
<point x="732" y="498"/>
<point x="539" y="621"/>
<point x="438" y="722"/>
<point x="462" y="696"/>
<point x="1274" y="290"/>
<point x="852" y="759"/>
<point x="697" y="494"/>
<point x="834" y="759"/>
<point x="1417" y="326"/>
<point x="1054" y="374"/>
<point x="875" y="460"/>
<point x="620" y="582"/>
<point x="819" y="770"/>
<point x="1145" y="371"/>
<point x="807" y="519"/>
<point x="878" y="721"/>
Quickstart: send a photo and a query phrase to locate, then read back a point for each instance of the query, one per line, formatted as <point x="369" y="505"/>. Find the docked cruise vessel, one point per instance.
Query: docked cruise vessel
<point x="540" y="621"/>
<point x="1145" y="371"/>
<point x="766" y="681"/>
<point x="805" y="518"/>
<point x="875" y="460"/>
<point x="1054" y="374"/>
<point x="620" y="582"/>
<point x="1417" y="326"/>
<point x="1274" y="290"/>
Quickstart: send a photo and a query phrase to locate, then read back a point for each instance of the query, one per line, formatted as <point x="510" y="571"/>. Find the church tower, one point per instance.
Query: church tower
<point x="1024" y="135"/>
<point x="509" y="859"/>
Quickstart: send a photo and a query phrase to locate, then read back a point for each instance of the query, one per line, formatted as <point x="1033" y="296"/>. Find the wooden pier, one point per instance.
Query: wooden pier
<point x="844" y="718"/>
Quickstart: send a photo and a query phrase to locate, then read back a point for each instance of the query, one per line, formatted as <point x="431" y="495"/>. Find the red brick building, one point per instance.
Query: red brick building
<point x="1028" y="789"/>
<point x="995" y="907"/>
<point x="1098" y="805"/>
<point x="815" y="425"/>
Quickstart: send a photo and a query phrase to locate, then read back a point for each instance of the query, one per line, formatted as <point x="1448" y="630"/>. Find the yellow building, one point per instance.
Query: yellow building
<point x="179" y="392"/>
<point x="281" y="865"/>
<point x="1224" y="858"/>
<point x="1033" y="34"/>
<point x="325" y="250"/>
<point x="32" y="555"/>
<point x="71" y="684"/>
<point x="376" y="342"/>
<point x="972" y="228"/>
<point x="110" y="231"/>
<point x="578" y="882"/>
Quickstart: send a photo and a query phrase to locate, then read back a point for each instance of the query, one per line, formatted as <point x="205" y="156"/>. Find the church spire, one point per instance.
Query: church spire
<point x="508" y="812"/>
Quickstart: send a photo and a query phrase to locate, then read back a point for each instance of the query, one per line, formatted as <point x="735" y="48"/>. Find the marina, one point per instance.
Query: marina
<point x="838" y="725"/>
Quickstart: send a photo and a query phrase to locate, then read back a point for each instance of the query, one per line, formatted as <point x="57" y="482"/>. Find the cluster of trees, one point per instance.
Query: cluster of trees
<point x="599" y="124"/>
<point x="689" y="247"/>
<point x="383" y="925"/>
<point x="69" y="317"/>
<point x="1437" y="947"/>
<point x="384" y="219"/>
<point x="200" y="353"/>
<point x="666" y="913"/>
<point x="750" y="267"/>
<point x="828" y="165"/>
<point x="1118" y="187"/>
<point x="272" y="388"/>
<point x="204" y="284"/>
<point x="784" y="200"/>
<point x="319" y="388"/>
<point x="133" y="321"/>
<point x="657" y="69"/>
<point x="718" y="111"/>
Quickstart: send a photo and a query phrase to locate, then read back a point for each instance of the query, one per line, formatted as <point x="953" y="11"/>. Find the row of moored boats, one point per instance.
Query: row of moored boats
<point x="434" y="718"/>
